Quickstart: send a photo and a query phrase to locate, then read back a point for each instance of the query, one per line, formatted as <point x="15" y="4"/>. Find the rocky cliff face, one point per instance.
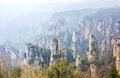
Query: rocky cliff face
<point x="35" y="55"/>
<point x="7" y="49"/>
<point x="102" y="23"/>
<point x="10" y="55"/>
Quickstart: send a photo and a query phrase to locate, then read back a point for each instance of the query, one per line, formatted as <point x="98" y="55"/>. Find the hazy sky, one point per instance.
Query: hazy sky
<point x="35" y="6"/>
<point x="35" y="1"/>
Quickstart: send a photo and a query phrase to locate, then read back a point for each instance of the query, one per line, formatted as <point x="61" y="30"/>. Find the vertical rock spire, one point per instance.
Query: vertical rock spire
<point x="119" y="28"/>
<point x="91" y="54"/>
<point x="59" y="44"/>
<point x="116" y="51"/>
<point x="74" y="44"/>
<point x="78" y="61"/>
<point x="56" y="49"/>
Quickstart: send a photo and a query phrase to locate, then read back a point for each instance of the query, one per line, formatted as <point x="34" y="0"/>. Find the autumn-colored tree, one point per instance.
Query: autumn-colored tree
<point x="79" y="74"/>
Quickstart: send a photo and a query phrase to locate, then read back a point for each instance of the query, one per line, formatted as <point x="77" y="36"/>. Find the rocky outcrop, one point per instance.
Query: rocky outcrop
<point x="92" y="55"/>
<point x="57" y="51"/>
<point x="10" y="55"/>
<point x="35" y="55"/>
<point x="102" y="23"/>
<point x="116" y="52"/>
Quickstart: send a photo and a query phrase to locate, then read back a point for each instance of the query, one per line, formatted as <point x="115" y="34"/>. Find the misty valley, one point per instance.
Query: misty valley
<point x="74" y="43"/>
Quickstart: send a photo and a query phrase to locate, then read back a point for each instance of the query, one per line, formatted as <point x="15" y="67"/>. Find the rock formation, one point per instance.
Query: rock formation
<point x="57" y="52"/>
<point x="74" y="44"/>
<point x="78" y="61"/>
<point x="93" y="71"/>
<point x="116" y="52"/>
<point x="33" y="55"/>
<point x="91" y="54"/>
<point x="59" y="44"/>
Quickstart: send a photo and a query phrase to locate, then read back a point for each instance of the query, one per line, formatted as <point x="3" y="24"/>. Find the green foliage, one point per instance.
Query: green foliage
<point x="16" y="72"/>
<point x="113" y="74"/>
<point x="96" y="52"/>
<point x="96" y="63"/>
<point x="31" y="61"/>
<point x="58" y="56"/>
<point x="60" y="70"/>
<point x="84" y="64"/>
<point x="1" y="75"/>
<point x="69" y="56"/>
<point x="42" y="54"/>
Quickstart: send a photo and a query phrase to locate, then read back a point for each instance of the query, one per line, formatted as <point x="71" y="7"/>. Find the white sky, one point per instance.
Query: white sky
<point x="22" y="6"/>
<point x="28" y="2"/>
<point x="17" y="7"/>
